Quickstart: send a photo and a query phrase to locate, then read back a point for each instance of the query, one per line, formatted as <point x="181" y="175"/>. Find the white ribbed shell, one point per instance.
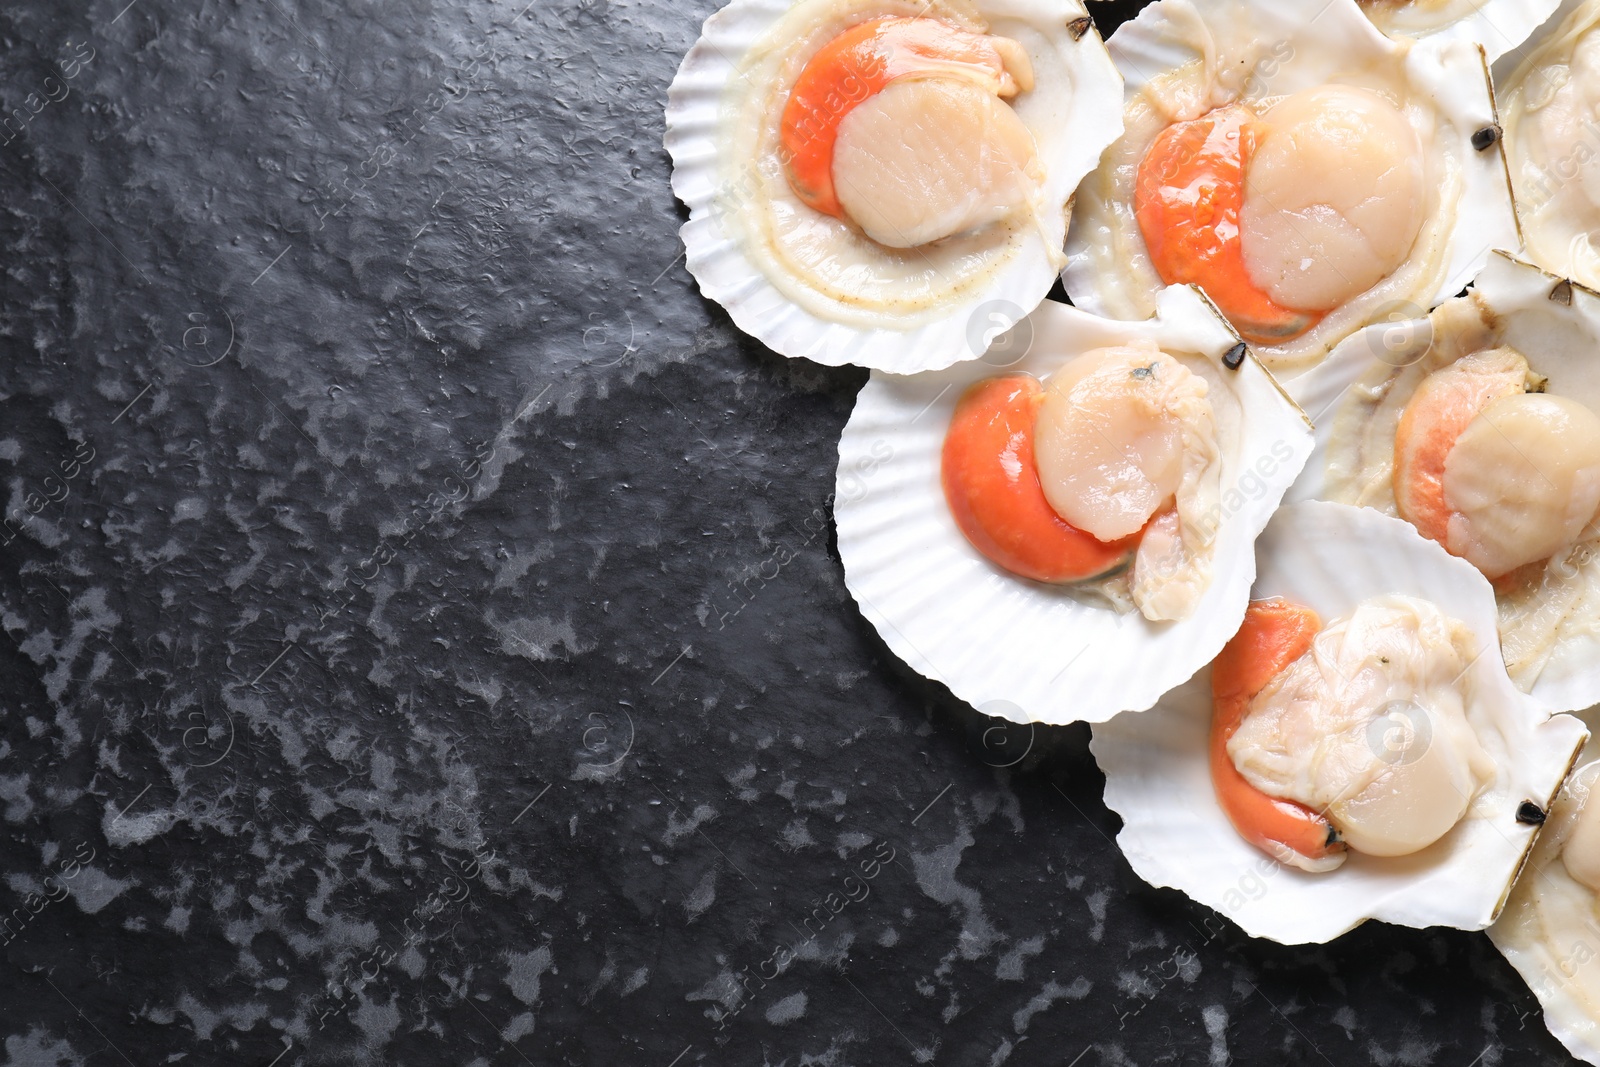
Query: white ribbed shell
<point x="1073" y="120"/>
<point x="1006" y="645"/>
<point x="1330" y="557"/>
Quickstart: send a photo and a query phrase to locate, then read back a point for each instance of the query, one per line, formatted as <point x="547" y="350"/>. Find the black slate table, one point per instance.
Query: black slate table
<point x="425" y="642"/>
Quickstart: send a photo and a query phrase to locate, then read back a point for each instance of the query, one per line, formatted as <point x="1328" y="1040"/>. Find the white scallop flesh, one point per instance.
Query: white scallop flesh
<point x="1172" y="569"/>
<point x="1558" y="182"/>
<point x="1522" y="481"/>
<point x="1111" y="436"/>
<point x="1333" y="196"/>
<point x="928" y="158"/>
<point x="1580" y="852"/>
<point x="1126" y="440"/>
<point x="1370" y="727"/>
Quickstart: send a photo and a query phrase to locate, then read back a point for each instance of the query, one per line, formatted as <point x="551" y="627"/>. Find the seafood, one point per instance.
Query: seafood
<point x="1306" y="171"/>
<point x="1317" y="732"/>
<point x="883" y="182"/>
<point x="1111" y="465"/>
<point x="1165" y="448"/>
<point x="1480" y="425"/>
<point x="1357" y="752"/>
<point x="898" y="125"/>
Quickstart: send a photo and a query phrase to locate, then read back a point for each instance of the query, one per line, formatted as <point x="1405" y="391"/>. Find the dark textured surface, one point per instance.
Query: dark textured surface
<point x="405" y="662"/>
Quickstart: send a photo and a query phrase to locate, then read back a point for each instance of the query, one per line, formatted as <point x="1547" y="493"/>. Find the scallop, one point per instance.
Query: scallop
<point x="886" y="182"/>
<point x="955" y="489"/>
<point x="1109" y="474"/>
<point x="1368" y="728"/>
<point x="1480" y="426"/>
<point x="1308" y="172"/>
<point x="1356" y="752"/>
<point x="1550" y="91"/>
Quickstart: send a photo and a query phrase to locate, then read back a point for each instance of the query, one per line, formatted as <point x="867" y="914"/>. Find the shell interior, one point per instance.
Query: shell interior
<point x="1498" y="25"/>
<point x="1008" y="646"/>
<point x="1330" y="557"/>
<point x="970" y="289"/>
<point x="1194" y="55"/>
<point x="1548" y="189"/>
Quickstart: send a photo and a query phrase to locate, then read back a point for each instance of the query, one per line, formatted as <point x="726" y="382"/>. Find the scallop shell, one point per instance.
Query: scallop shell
<point x="1557" y="326"/>
<point x="1544" y="894"/>
<point x="1071" y="127"/>
<point x="1539" y="191"/>
<point x="1330" y="557"/>
<point x="1268" y="48"/>
<point x="1015" y="648"/>
<point x="1498" y="25"/>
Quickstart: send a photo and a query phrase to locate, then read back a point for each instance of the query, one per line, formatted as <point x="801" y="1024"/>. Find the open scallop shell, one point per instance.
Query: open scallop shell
<point x="1254" y="50"/>
<point x="1557" y="326"/>
<point x="1548" y="905"/>
<point x="971" y="291"/>
<point x="1020" y="649"/>
<point x="1498" y="25"/>
<point x="1330" y="557"/>
<point x="1548" y="192"/>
